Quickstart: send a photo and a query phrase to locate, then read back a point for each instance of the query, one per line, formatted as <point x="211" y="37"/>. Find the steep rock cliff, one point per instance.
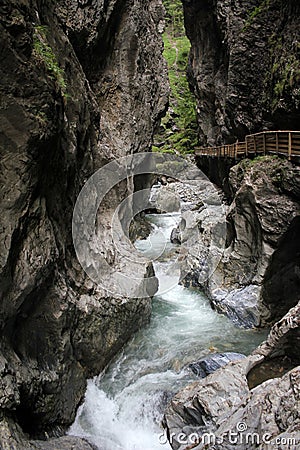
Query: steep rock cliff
<point x="257" y="279"/>
<point x="81" y="83"/>
<point x="244" y="66"/>
<point x="260" y="269"/>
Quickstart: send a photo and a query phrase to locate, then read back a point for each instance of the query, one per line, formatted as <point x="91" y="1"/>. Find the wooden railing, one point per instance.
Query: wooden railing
<point x="285" y="143"/>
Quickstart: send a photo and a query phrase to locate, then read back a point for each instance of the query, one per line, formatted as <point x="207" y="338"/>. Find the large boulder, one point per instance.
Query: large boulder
<point x="257" y="280"/>
<point x="210" y="363"/>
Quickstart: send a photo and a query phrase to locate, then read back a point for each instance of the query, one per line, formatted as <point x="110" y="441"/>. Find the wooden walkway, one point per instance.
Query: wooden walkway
<point x="284" y="143"/>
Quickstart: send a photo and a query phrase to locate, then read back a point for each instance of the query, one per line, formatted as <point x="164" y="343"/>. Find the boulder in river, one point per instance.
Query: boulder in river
<point x="210" y="363"/>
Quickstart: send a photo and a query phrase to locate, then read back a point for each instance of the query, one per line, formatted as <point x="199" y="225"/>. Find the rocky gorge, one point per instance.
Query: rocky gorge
<point x="84" y="83"/>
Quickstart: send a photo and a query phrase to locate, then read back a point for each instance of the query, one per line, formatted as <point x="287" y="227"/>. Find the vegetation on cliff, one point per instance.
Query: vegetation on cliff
<point x="44" y="52"/>
<point x="282" y="80"/>
<point x="178" y="130"/>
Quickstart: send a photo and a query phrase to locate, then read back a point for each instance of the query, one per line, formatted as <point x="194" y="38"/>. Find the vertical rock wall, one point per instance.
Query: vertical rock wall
<point x="244" y="66"/>
<point x="82" y="82"/>
<point x="257" y="279"/>
<point x="244" y="71"/>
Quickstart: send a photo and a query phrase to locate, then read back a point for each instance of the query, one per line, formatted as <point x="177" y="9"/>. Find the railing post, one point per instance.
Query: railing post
<point x="283" y="142"/>
<point x="290" y="147"/>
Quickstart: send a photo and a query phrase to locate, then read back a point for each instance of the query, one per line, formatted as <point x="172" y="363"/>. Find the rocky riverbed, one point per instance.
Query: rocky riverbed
<point x="223" y="403"/>
<point x="258" y="395"/>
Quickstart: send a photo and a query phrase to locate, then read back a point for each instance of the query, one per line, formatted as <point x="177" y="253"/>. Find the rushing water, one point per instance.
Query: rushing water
<point x="124" y="406"/>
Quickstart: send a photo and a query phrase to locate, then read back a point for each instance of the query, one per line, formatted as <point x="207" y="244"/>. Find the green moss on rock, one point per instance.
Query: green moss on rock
<point x="44" y="52"/>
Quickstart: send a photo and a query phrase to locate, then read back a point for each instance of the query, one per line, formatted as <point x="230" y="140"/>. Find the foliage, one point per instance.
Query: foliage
<point x="174" y="17"/>
<point x="178" y="132"/>
<point x="44" y="52"/>
<point x="255" y="167"/>
<point x="284" y="75"/>
<point x="272" y="165"/>
<point x="252" y="15"/>
<point x="257" y="160"/>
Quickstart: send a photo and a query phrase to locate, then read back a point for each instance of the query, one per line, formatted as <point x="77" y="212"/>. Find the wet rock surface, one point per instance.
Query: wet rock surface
<point x="13" y="438"/>
<point x="223" y="402"/>
<point x="81" y="84"/>
<point x="211" y="363"/>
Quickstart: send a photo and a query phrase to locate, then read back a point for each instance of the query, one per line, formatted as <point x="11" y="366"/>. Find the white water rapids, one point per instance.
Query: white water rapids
<point x="124" y="405"/>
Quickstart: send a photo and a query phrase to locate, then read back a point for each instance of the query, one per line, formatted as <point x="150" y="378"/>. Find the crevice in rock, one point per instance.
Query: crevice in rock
<point x="281" y="284"/>
<point x="94" y="55"/>
<point x="269" y="369"/>
<point x="283" y="358"/>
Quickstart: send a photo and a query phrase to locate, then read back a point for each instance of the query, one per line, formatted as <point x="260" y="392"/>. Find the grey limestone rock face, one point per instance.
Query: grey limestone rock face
<point x="257" y="279"/>
<point x="242" y="55"/>
<point x="81" y="83"/>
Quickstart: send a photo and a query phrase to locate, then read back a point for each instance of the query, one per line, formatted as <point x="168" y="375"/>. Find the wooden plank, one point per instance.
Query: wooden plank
<point x="290" y="146"/>
<point x="264" y="143"/>
<point x="254" y="143"/>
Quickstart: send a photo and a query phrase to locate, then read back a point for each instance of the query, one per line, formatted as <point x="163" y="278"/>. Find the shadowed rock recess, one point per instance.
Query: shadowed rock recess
<point x="82" y="82"/>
